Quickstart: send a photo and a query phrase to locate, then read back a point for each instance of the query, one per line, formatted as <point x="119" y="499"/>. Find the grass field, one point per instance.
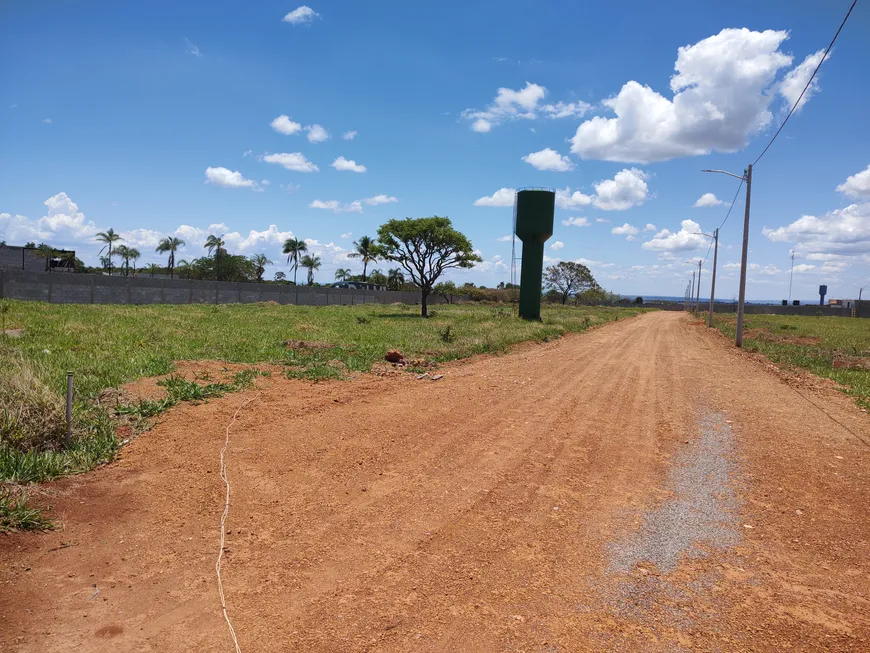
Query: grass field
<point x="836" y="348"/>
<point x="106" y="346"/>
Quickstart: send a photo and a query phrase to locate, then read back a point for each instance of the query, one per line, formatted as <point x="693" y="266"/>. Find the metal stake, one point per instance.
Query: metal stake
<point x="69" y="398"/>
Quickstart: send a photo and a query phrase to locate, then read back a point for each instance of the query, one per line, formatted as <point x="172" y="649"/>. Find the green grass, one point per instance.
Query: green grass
<point x="841" y="340"/>
<point x="106" y="346"/>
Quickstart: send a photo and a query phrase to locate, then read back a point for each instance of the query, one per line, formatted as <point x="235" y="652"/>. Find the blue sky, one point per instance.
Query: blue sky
<point x="224" y="117"/>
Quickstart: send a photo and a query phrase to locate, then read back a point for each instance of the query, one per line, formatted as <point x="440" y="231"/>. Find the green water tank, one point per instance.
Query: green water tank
<point x="533" y="224"/>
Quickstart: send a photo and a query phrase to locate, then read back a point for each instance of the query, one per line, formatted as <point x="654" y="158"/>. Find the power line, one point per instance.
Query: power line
<point x="739" y="186"/>
<point x="830" y="45"/>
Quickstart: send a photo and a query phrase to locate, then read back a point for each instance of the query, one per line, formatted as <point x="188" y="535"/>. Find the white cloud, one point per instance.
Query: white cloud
<point x="649" y="227"/>
<point x="627" y="189"/>
<point x="481" y="126"/>
<point x="566" y="109"/>
<point x="601" y="220"/>
<point x="722" y="88"/>
<point x="284" y="125"/>
<point x="796" y="79"/>
<point x="707" y="199"/>
<point x="627" y="230"/>
<point x="227" y="178"/>
<point x="350" y="135"/>
<point x="800" y="268"/>
<point x="504" y="239"/>
<point x="62" y="225"/>
<point x="548" y="159"/>
<point x="567" y="200"/>
<point x="346" y="236"/>
<point x="295" y="161"/>
<point x="857" y="185"/>
<point x="576" y="222"/>
<point x="191" y="48"/>
<point x="301" y="16"/>
<point x="501" y="197"/>
<point x="256" y="241"/>
<point x="47" y="121"/>
<point x="247" y="153"/>
<point x="347" y="164"/>
<point x="508" y="105"/>
<point x="316" y="133"/>
<point x="557" y="245"/>
<point x="380" y="199"/>
<point x="337" y="207"/>
<point x="688" y="238"/>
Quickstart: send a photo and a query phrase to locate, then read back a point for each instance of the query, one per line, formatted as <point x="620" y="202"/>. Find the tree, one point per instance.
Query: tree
<point x="568" y="279"/>
<point x="127" y="254"/>
<point x="294" y="248"/>
<point x="447" y="290"/>
<point x="106" y="263"/>
<point x="395" y="279"/>
<point x="109" y="237"/>
<point x="184" y="264"/>
<point x="30" y="245"/>
<point x="170" y="244"/>
<point x="153" y="268"/>
<point x="366" y="249"/>
<point x="312" y="262"/>
<point x="638" y="300"/>
<point x="342" y="274"/>
<point x="47" y="252"/>
<point x="260" y="262"/>
<point x="280" y="277"/>
<point x="424" y="248"/>
<point x="378" y="278"/>
<point x="216" y="243"/>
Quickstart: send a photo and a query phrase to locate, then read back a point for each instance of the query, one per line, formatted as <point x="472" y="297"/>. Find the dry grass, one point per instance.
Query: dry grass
<point x="32" y="416"/>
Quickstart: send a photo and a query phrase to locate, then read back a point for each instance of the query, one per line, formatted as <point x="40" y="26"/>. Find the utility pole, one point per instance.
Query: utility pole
<point x="791" y="277"/>
<point x="713" y="285"/>
<point x="692" y="290"/>
<point x="741" y="298"/>
<point x="698" y="289"/>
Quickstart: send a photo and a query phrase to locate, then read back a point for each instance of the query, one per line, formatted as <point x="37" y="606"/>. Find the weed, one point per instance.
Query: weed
<point x="447" y="334"/>
<point x="361" y="320"/>
<point x="16" y="515"/>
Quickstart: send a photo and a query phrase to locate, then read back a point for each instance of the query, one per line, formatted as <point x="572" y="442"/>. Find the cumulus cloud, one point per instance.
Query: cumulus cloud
<point x="501" y="197"/>
<point x="567" y="200"/>
<point x="857" y="186"/>
<point x="627" y="189"/>
<point x="521" y="104"/>
<point x="557" y="245"/>
<point x="796" y="79"/>
<point x="302" y="15"/>
<point x="548" y="159"/>
<point x="316" y="133"/>
<point x="227" y="178"/>
<point x="627" y="230"/>
<point x="566" y="109"/>
<point x="337" y="207"/>
<point x="379" y="199"/>
<point x="63" y="224"/>
<point x="649" y="227"/>
<point x="284" y="125"/>
<point x="346" y="236"/>
<point x="576" y="222"/>
<point x="722" y="91"/>
<point x="688" y="238"/>
<point x="707" y="199"/>
<point x="800" y="268"/>
<point x="347" y="164"/>
<point x="350" y="135"/>
<point x="295" y="161"/>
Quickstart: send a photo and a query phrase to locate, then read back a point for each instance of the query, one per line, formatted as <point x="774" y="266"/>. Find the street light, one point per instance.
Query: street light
<point x="741" y="299"/>
<point x="715" y="237"/>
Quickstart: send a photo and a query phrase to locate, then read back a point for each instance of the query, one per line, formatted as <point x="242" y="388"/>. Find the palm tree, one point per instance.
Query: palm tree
<point x="170" y="244"/>
<point x="294" y="248"/>
<point x="260" y="262"/>
<point x="127" y="254"/>
<point x="312" y="263"/>
<point x="395" y="279"/>
<point x="185" y="265"/>
<point x="132" y="255"/>
<point x="365" y="249"/>
<point x="109" y="237"/>
<point x="342" y="274"/>
<point x="153" y="269"/>
<point x="215" y="243"/>
<point x="47" y="252"/>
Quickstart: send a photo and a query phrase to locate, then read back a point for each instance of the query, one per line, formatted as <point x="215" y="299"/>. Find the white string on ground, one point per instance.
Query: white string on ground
<point x="224" y="516"/>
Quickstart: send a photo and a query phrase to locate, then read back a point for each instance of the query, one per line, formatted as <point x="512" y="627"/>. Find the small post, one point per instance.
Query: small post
<point x="69" y="398"/>
<point x="698" y="290"/>
<point x="713" y="285"/>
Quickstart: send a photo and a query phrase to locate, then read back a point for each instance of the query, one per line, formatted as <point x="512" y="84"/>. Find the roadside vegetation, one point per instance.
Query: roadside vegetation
<point x="106" y="346"/>
<point x="836" y="348"/>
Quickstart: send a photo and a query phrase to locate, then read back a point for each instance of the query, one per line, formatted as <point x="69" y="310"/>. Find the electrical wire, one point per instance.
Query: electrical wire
<point x="739" y="186"/>
<point x="830" y="45"/>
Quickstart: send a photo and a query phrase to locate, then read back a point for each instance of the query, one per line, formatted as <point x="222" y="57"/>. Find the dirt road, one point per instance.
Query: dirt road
<point x="640" y="487"/>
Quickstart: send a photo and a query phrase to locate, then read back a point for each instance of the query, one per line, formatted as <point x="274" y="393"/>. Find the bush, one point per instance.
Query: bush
<point x="32" y="417"/>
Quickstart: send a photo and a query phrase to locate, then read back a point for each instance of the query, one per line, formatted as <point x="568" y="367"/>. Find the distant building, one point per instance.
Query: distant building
<point x="359" y="285"/>
<point x="841" y="303"/>
<point x="29" y="259"/>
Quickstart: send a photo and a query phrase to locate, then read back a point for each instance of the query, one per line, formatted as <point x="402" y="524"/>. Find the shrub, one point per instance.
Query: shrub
<point x="32" y="417"/>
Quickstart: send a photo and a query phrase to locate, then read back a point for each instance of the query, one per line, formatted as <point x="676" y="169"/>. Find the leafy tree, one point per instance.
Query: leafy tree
<point x="365" y="249"/>
<point x="260" y="262"/>
<point x="153" y="268"/>
<point x="395" y="279"/>
<point x="215" y="244"/>
<point x="47" y="252"/>
<point x="312" y="263"/>
<point x="109" y="237"/>
<point x="170" y="244"/>
<point x="342" y="274"/>
<point x="447" y="290"/>
<point x="280" y="277"/>
<point x="638" y="300"/>
<point x="30" y="245"/>
<point x="233" y="268"/>
<point x="294" y="248"/>
<point x="568" y="279"/>
<point x="184" y="264"/>
<point x="378" y="277"/>
<point x="424" y="248"/>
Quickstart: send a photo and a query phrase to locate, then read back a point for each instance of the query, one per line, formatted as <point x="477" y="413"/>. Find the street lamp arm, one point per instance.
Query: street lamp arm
<point x="730" y="174"/>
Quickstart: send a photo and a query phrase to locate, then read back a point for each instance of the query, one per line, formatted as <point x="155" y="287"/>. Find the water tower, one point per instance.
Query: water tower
<point x="533" y="224"/>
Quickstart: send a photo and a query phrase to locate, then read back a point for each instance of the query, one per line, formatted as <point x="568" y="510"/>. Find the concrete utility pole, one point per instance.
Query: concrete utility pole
<point x="741" y="298"/>
<point x="791" y="278"/>
<point x="713" y="284"/>
<point x="692" y="289"/>
<point x="698" y="289"/>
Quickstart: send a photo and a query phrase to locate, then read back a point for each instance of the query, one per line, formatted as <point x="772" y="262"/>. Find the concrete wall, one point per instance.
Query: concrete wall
<point x="862" y="309"/>
<point x="101" y="289"/>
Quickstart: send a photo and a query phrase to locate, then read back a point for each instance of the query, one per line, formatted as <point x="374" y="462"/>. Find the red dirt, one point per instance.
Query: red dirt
<point x="390" y="514"/>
